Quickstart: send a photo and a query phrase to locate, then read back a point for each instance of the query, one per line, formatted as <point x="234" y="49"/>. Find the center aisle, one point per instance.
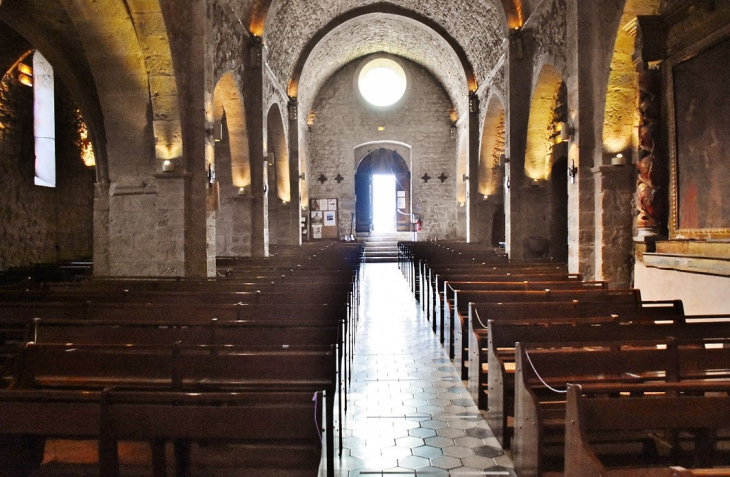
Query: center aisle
<point x="408" y="412"/>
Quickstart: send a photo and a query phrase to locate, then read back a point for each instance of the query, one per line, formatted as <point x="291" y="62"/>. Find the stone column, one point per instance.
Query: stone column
<point x="614" y="241"/>
<point x="472" y="170"/>
<point x="519" y="80"/>
<point x="172" y="188"/>
<point x="295" y="206"/>
<point x="101" y="229"/>
<point x="255" y="120"/>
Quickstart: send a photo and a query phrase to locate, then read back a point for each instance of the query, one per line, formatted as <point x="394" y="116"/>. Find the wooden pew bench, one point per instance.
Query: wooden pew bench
<point x="199" y="369"/>
<point x="540" y="410"/>
<point x="678" y="408"/>
<point x="280" y="426"/>
<point x="479" y="315"/>
<point x="458" y="326"/>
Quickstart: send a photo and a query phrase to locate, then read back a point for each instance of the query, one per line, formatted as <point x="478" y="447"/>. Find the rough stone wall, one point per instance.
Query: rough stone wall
<point x="40" y="224"/>
<point x="381" y="33"/>
<point x="421" y="120"/>
<point x="477" y="25"/>
<point x="548" y="31"/>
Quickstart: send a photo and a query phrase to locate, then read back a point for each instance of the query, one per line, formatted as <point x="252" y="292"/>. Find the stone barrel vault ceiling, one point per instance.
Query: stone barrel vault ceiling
<point x="477" y="25"/>
<point x="375" y="33"/>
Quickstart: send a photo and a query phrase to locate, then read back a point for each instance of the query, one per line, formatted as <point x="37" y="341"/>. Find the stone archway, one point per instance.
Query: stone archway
<point x="233" y="170"/>
<point x="490" y="203"/>
<point x="279" y="196"/>
<point x="547" y="233"/>
<point x="382" y="161"/>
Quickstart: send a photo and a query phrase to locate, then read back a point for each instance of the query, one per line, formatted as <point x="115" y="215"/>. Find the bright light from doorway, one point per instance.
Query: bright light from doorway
<point x="382" y="82"/>
<point x="384" y="203"/>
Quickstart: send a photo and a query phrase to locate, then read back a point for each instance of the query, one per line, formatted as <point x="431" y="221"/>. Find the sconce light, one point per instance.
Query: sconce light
<point x="462" y="204"/>
<point x="284" y="202"/>
<point x="486" y="197"/>
<point x="464" y="177"/>
<point x="241" y="191"/>
<point x="25" y="74"/>
<point x="453" y="131"/>
<point x="566" y="132"/>
<point x="618" y="160"/>
<point x="538" y="182"/>
<point x="168" y="166"/>
<point x="572" y="172"/>
<point x="218" y="132"/>
<point x="302" y="176"/>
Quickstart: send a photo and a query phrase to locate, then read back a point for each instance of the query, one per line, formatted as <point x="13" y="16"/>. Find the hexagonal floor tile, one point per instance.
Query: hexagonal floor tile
<point x="467" y="441"/>
<point x="439" y="442"/>
<point x="488" y="451"/>
<point x="422" y="432"/>
<point x="431" y="424"/>
<point x="396" y="452"/>
<point x="450" y="432"/>
<point x="409" y="442"/>
<point x="428" y="452"/>
<point x="457" y="451"/>
<point x="446" y="462"/>
<point x="413" y="462"/>
<point x="479" y="433"/>
<point x="462" y="424"/>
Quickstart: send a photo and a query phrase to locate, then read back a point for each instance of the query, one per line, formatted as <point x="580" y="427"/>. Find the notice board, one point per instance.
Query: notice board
<point x="324" y="218"/>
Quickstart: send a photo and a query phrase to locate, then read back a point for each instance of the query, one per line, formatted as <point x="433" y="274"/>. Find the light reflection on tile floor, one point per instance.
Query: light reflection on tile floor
<point x="408" y="412"/>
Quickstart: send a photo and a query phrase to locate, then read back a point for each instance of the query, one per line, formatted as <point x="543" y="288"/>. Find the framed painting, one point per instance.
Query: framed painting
<point x="698" y="97"/>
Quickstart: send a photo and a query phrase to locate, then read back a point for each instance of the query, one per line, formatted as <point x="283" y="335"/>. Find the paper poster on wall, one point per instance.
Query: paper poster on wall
<point x="317" y="217"/>
<point x="401" y="202"/>
<point x="314" y="204"/>
<point x="329" y="218"/>
<point x="332" y="204"/>
<point x="323" y="204"/>
<point x="401" y="193"/>
<point x="316" y="231"/>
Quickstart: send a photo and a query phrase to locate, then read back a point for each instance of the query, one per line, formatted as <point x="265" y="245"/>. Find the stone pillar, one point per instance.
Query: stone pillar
<point x="255" y="120"/>
<point x="614" y="241"/>
<point x="295" y="206"/>
<point x="519" y="80"/>
<point x="172" y="189"/>
<point x="472" y="170"/>
<point x="101" y="229"/>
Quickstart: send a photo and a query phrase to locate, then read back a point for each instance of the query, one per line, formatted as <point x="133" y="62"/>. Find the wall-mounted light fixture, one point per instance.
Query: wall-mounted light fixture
<point x="486" y="197"/>
<point x="25" y="74"/>
<point x="537" y="182"/>
<point x="572" y="172"/>
<point x="464" y="178"/>
<point x="453" y="131"/>
<point x="462" y="204"/>
<point x="168" y="166"/>
<point x="241" y="191"/>
<point x="618" y="160"/>
<point x="218" y="132"/>
<point x="566" y="132"/>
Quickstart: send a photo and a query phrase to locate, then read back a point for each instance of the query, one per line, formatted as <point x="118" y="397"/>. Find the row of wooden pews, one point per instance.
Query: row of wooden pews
<point x="259" y="357"/>
<point x="549" y="357"/>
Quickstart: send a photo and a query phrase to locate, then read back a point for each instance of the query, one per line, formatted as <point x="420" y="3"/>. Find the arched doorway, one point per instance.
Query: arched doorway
<point x="380" y="167"/>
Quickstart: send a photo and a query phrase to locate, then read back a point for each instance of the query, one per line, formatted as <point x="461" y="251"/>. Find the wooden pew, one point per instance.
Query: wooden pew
<point x="280" y="421"/>
<point x="458" y="330"/>
<point x="540" y="410"/>
<point x="677" y="409"/>
<point x="478" y="316"/>
<point x="200" y="369"/>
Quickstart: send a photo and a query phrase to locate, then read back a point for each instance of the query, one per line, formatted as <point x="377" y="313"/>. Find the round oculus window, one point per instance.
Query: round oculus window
<point x="382" y="82"/>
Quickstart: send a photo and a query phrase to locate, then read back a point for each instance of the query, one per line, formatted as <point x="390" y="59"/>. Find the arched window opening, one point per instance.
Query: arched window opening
<point x="44" y="122"/>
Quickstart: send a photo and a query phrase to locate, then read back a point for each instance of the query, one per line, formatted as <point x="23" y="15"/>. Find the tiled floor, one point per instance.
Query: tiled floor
<point x="408" y="412"/>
